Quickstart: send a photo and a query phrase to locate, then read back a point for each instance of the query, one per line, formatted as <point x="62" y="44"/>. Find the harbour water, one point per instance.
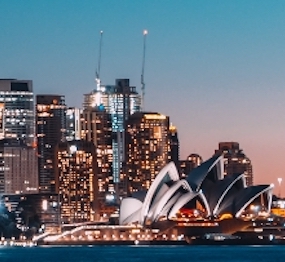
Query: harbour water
<point x="142" y="253"/>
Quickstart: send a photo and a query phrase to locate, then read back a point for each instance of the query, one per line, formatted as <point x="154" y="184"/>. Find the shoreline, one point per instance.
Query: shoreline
<point x="184" y="242"/>
<point x="113" y="243"/>
<point x="194" y="242"/>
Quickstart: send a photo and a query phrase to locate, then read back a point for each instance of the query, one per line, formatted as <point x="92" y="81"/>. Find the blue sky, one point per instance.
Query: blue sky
<point x="217" y="68"/>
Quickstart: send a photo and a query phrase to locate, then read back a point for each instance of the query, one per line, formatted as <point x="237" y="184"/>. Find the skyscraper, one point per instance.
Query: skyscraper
<point x="147" y="149"/>
<point x="236" y="162"/>
<point x="76" y="172"/>
<point x="17" y="114"/>
<point x="73" y="127"/>
<point x="174" y="145"/>
<point x="18" y="167"/>
<point x="120" y="100"/>
<point x="51" y="129"/>
<point x="96" y="126"/>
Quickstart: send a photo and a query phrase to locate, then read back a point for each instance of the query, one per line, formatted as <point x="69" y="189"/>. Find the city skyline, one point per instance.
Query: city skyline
<point x="214" y="67"/>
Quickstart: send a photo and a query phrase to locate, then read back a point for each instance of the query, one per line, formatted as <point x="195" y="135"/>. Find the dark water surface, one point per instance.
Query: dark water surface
<point x="143" y="253"/>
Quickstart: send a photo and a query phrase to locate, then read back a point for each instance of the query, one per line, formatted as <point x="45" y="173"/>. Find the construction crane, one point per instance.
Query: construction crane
<point x="98" y="95"/>
<point x="98" y="81"/>
<point x="145" y="32"/>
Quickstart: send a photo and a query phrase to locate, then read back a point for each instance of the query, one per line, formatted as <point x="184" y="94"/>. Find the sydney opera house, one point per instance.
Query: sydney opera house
<point x="204" y="202"/>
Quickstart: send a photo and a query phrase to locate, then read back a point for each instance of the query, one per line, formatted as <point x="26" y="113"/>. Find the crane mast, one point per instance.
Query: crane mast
<point x="98" y="81"/>
<point x="145" y="32"/>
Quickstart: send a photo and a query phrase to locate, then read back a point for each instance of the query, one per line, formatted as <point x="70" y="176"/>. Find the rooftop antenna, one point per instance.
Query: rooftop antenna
<point x="97" y="79"/>
<point x="145" y="32"/>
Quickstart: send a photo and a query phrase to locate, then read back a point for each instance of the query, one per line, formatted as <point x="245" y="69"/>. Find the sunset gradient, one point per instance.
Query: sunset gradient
<point x="217" y="68"/>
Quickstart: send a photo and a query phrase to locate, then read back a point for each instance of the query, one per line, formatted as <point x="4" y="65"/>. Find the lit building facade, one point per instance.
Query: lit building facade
<point x="18" y="167"/>
<point x="96" y="126"/>
<point x="236" y="162"/>
<point x="76" y="172"/>
<point x="73" y="128"/>
<point x="174" y="145"/>
<point x="44" y="207"/>
<point x="186" y="166"/>
<point x="17" y="114"/>
<point x="147" y="149"/>
<point x="278" y="206"/>
<point x="51" y="128"/>
<point x="120" y="100"/>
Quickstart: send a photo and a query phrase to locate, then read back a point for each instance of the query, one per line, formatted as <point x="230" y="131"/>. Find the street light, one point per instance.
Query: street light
<point x="279" y="179"/>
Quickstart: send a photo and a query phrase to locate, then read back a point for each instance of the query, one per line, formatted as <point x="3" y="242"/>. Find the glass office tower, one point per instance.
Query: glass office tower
<point x="147" y="149"/>
<point x="51" y="129"/>
<point x="17" y="114"/>
<point x="120" y="100"/>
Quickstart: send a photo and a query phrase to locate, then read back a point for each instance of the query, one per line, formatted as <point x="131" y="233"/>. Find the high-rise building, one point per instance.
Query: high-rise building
<point x="236" y="162"/>
<point x="174" y="145"/>
<point x="76" y="169"/>
<point x="51" y="128"/>
<point x="120" y="100"/>
<point x="17" y="113"/>
<point x="18" y="167"/>
<point x="96" y="126"/>
<point x="73" y="128"/>
<point x="147" y="149"/>
<point x="186" y="166"/>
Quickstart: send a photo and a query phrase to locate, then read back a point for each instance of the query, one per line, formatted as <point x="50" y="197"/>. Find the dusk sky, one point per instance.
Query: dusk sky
<point x="216" y="68"/>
